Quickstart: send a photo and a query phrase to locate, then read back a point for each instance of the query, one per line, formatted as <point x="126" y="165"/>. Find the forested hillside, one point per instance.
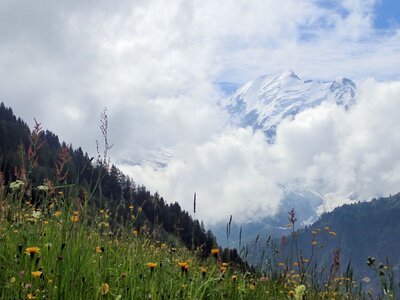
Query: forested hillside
<point x="101" y="184"/>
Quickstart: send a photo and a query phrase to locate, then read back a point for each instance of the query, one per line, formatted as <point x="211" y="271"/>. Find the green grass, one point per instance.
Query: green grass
<point x="82" y="257"/>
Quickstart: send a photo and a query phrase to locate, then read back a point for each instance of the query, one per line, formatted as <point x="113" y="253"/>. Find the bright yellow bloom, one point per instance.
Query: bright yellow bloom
<point x="332" y="233"/>
<point x="151" y="265"/>
<point x="327" y="228"/>
<point x="314" y="243"/>
<point x="60" y="193"/>
<point x="30" y="296"/>
<point x="105" y="288"/>
<point x="215" y="251"/>
<point x="76" y="213"/>
<point x="75" y="218"/>
<point x="182" y="264"/>
<point x="57" y="213"/>
<point x="32" y="250"/>
<point x="98" y="250"/>
<point x="36" y="273"/>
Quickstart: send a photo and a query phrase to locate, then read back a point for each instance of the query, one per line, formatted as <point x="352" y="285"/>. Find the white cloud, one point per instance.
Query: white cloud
<point x="327" y="149"/>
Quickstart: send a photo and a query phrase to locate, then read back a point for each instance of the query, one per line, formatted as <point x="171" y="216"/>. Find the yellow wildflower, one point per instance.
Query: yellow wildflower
<point x="57" y="213"/>
<point x="30" y="296"/>
<point x="105" y="288"/>
<point x="152" y="265"/>
<point x="75" y="218"/>
<point x="32" y="250"/>
<point x="314" y="243"/>
<point x="332" y="233"/>
<point x="99" y="250"/>
<point x="215" y="251"/>
<point x="36" y="273"/>
<point x="182" y="264"/>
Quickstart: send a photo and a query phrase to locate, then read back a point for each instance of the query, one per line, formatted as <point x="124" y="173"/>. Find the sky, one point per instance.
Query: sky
<point x="156" y="65"/>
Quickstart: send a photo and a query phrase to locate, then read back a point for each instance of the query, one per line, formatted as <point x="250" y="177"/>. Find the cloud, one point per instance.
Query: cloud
<point x="344" y="154"/>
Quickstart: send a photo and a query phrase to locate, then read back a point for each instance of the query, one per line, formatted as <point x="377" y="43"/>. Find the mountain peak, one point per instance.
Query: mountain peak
<point x="264" y="102"/>
<point x="282" y="74"/>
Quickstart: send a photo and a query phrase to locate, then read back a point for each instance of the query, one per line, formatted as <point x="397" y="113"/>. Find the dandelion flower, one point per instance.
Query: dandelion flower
<point x="31" y="250"/>
<point x="36" y="273"/>
<point x="152" y="265"/>
<point x="215" y="252"/>
<point x="182" y="264"/>
<point x="105" y="288"/>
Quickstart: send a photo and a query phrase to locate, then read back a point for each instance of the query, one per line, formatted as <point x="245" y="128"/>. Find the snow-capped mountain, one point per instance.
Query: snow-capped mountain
<point x="264" y="102"/>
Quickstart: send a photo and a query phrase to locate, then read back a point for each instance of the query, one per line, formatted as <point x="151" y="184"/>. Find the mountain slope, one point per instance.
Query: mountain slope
<point x="264" y="102"/>
<point x="355" y="231"/>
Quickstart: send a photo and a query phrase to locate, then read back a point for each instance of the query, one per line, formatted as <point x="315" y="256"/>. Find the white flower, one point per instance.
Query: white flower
<point x="44" y="188"/>
<point x="366" y="279"/>
<point x="16" y="185"/>
<point x="36" y="214"/>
